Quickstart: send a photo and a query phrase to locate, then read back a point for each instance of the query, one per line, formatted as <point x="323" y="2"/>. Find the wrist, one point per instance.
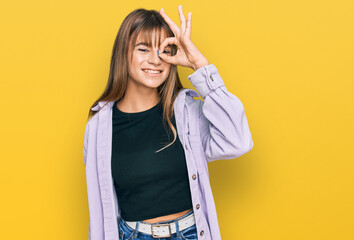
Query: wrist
<point x="201" y="64"/>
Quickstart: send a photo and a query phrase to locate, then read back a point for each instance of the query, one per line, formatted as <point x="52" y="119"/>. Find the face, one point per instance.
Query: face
<point x="144" y="58"/>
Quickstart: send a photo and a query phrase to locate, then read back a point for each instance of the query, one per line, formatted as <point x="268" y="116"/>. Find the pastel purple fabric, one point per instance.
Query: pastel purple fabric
<point x="209" y="130"/>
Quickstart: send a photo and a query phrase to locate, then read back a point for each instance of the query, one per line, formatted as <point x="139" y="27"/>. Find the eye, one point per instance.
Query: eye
<point x="144" y="50"/>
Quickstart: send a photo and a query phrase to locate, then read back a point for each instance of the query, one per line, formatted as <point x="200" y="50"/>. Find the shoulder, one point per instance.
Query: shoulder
<point x="92" y="122"/>
<point x="101" y="108"/>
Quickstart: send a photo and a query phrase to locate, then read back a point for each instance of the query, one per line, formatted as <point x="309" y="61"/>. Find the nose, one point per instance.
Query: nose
<point x="154" y="57"/>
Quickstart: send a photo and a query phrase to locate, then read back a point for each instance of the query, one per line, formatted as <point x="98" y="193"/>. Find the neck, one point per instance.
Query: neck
<point x="138" y="100"/>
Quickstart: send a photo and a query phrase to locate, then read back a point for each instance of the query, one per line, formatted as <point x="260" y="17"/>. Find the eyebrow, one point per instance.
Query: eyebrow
<point x="142" y="43"/>
<point x="147" y="45"/>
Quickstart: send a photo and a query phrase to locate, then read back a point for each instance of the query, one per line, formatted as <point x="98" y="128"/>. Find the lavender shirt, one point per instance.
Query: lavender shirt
<point x="209" y="130"/>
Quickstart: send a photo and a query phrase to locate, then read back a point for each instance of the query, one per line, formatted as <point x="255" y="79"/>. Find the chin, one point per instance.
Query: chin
<point x="153" y="84"/>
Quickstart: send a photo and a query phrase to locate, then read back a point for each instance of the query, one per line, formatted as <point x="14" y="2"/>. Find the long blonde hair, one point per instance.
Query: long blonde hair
<point x="146" y="22"/>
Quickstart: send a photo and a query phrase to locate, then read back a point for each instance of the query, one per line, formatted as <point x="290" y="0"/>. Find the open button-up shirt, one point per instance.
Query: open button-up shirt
<point x="213" y="129"/>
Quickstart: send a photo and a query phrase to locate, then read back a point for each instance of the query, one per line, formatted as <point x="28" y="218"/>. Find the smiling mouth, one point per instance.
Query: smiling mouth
<point x="152" y="73"/>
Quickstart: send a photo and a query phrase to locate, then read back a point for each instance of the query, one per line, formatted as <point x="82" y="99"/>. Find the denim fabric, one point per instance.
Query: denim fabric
<point x="127" y="233"/>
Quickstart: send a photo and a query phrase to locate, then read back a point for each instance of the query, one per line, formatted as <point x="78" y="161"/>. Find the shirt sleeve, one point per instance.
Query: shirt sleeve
<point x="223" y="125"/>
<point x="86" y="135"/>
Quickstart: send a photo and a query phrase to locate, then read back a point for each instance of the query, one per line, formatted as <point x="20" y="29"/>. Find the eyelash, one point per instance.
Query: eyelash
<point x="140" y="49"/>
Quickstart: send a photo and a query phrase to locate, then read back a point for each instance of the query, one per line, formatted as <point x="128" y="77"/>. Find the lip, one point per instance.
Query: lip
<point x="152" y="74"/>
<point x="152" y="69"/>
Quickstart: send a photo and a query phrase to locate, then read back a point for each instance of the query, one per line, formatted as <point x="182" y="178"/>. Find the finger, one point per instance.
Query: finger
<point x="182" y="18"/>
<point x="167" y="58"/>
<point x="167" y="41"/>
<point x="189" y="25"/>
<point x="173" y="26"/>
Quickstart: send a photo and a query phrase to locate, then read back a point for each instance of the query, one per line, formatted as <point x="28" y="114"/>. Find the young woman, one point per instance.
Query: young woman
<point x="148" y="141"/>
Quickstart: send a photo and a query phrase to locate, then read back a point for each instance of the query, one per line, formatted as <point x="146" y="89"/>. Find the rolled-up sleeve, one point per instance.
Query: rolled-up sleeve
<point x="223" y="125"/>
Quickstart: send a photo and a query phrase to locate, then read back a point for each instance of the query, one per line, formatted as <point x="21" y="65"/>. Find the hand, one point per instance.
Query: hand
<point x="187" y="54"/>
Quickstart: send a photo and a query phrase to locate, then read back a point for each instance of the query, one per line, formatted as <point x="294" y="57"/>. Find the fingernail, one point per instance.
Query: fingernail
<point x="158" y="53"/>
<point x="162" y="9"/>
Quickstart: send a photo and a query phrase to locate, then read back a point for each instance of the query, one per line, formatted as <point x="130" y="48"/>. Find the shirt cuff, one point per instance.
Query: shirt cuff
<point x="206" y="79"/>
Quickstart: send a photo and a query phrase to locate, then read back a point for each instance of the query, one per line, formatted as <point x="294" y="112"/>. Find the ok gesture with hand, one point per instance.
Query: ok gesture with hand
<point x="187" y="53"/>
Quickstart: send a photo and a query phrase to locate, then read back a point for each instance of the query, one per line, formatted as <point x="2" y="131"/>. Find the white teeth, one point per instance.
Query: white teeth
<point x="151" y="71"/>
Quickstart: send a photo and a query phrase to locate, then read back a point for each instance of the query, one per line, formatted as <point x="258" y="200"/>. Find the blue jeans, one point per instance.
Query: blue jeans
<point x="128" y="233"/>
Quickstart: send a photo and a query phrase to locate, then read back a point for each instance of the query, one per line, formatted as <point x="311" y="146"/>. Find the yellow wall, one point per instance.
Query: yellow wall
<point x="290" y="63"/>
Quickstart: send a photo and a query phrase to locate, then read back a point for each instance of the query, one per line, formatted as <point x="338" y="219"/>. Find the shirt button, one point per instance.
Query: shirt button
<point x="198" y="206"/>
<point x="186" y="146"/>
<point x="211" y="77"/>
<point x="201" y="233"/>
<point x="194" y="176"/>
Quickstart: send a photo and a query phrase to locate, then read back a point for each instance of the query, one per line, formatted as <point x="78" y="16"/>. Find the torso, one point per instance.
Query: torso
<point x="162" y="218"/>
<point x="167" y="217"/>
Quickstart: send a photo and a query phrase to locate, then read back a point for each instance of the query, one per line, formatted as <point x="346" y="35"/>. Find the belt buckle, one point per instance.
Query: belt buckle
<point x="158" y="225"/>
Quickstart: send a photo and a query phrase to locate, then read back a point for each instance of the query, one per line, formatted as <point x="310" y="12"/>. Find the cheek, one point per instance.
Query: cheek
<point x="138" y="59"/>
<point x="168" y="68"/>
<point x="167" y="72"/>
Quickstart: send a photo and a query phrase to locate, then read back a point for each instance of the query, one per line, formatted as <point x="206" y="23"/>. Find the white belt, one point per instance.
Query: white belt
<point x="163" y="229"/>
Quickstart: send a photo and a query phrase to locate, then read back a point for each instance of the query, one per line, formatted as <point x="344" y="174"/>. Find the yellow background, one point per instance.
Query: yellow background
<point x="290" y="63"/>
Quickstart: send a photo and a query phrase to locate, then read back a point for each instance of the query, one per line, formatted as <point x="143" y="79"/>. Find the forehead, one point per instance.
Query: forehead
<point x="149" y="38"/>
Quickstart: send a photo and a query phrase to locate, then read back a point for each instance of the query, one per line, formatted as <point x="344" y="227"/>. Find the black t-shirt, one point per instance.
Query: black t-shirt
<point x="148" y="184"/>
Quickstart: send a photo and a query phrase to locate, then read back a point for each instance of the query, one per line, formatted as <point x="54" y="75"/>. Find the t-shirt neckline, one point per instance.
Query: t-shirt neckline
<point x="136" y="114"/>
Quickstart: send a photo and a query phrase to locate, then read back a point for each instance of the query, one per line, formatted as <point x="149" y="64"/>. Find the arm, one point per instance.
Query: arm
<point x="86" y="134"/>
<point x="223" y="124"/>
